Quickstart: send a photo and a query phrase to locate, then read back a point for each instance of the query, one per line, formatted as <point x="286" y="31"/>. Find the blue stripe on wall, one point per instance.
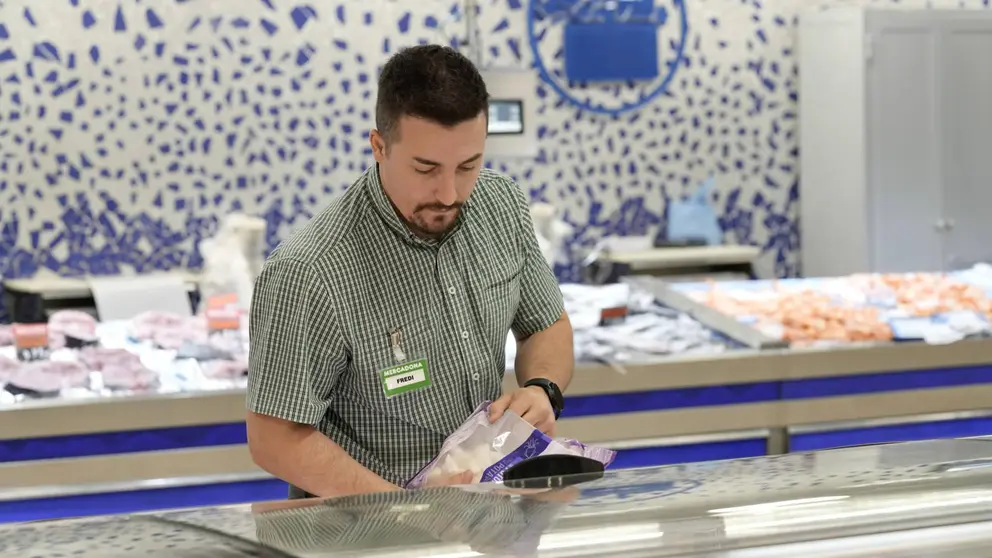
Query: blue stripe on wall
<point x="88" y="505"/>
<point x="961" y="428"/>
<point x="864" y="384"/>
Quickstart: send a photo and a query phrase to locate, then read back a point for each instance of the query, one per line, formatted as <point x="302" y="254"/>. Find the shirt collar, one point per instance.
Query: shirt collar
<point x="384" y="208"/>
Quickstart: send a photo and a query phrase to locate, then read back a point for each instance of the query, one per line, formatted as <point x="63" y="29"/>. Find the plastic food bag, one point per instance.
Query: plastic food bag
<point x="488" y="450"/>
<point x="694" y="218"/>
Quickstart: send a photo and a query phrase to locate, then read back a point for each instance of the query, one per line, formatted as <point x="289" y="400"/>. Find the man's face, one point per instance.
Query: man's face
<point x="428" y="171"/>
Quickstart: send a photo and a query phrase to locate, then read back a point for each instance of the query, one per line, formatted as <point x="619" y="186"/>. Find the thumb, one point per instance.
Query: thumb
<point x="499" y="407"/>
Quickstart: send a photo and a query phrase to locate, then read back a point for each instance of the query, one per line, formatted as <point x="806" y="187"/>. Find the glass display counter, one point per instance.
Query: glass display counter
<point x="929" y="497"/>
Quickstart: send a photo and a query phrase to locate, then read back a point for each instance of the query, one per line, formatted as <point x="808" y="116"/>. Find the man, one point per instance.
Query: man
<point x="379" y="327"/>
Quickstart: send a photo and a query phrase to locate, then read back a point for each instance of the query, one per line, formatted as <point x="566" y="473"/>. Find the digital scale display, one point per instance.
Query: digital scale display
<point x="506" y="117"/>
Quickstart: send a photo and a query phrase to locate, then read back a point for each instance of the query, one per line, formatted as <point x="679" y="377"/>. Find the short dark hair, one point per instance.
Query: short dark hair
<point x="432" y="82"/>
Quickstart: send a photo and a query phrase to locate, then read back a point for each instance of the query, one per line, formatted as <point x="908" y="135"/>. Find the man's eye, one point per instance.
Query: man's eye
<point x="466" y="169"/>
<point x="422" y="171"/>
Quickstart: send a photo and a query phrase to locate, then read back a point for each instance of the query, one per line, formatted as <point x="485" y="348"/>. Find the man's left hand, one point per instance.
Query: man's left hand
<point x="529" y="403"/>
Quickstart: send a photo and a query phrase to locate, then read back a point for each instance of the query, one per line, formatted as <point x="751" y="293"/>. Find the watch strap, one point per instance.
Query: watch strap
<point x="552" y="391"/>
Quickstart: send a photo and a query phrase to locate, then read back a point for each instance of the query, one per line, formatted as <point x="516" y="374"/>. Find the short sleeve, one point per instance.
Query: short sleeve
<point x="296" y="350"/>
<point x="541" y="303"/>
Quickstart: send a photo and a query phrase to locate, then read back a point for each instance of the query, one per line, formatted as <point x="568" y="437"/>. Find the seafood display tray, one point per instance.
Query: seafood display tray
<point x="965" y="316"/>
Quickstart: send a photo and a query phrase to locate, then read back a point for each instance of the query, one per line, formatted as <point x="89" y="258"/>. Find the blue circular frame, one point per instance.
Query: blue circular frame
<point x="587" y="105"/>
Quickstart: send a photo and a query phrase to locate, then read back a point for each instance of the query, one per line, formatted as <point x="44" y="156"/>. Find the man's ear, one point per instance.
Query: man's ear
<point x="378" y="144"/>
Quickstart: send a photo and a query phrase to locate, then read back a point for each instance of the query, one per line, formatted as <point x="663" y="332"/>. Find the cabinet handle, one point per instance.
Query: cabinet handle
<point x="940" y="225"/>
<point x="950" y="224"/>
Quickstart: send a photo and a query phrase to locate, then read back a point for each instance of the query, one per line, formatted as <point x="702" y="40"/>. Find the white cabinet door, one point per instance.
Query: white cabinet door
<point x="905" y="202"/>
<point x="966" y="105"/>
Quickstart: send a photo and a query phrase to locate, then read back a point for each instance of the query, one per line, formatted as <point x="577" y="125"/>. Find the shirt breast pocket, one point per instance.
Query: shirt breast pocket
<point x="375" y="355"/>
<point x="500" y="301"/>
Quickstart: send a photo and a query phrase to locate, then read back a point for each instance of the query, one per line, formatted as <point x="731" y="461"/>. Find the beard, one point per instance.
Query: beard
<point x="434" y="220"/>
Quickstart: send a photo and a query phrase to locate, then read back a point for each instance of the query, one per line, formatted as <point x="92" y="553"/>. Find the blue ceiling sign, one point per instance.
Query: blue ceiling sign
<point x="613" y="42"/>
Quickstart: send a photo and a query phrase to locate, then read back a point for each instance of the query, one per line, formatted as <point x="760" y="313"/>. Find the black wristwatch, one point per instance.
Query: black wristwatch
<point x="554" y="394"/>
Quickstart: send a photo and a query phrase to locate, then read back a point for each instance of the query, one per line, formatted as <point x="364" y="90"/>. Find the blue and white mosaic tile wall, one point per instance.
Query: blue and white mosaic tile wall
<point x="128" y="126"/>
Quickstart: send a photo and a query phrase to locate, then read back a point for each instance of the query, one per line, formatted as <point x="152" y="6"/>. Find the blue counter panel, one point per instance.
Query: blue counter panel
<point x="111" y="443"/>
<point x="143" y="500"/>
<point x="673" y="455"/>
<point x="961" y="428"/>
<point x="864" y="384"/>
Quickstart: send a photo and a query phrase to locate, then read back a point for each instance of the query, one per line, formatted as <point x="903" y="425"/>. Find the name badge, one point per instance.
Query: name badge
<point x="406" y="377"/>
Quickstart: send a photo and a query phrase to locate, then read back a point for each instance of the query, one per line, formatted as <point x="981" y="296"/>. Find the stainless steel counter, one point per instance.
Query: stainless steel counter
<point x="931" y="498"/>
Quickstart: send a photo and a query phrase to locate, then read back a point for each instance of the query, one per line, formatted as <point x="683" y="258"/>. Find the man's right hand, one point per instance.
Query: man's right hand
<point x="465" y="477"/>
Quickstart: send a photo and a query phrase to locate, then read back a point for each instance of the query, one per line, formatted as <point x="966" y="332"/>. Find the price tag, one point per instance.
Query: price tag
<point x="31" y="342"/>
<point x="223" y="313"/>
<point x="612" y="316"/>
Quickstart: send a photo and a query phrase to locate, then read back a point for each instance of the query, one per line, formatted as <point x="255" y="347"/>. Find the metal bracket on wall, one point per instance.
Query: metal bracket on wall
<point x="711" y="318"/>
<point x="778" y="441"/>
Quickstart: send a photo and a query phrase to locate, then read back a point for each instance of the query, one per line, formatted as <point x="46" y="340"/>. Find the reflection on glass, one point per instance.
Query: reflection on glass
<point x="491" y="522"/>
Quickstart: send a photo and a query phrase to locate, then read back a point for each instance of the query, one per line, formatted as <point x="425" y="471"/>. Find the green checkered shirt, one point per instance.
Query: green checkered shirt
<point x="329" y="297"/>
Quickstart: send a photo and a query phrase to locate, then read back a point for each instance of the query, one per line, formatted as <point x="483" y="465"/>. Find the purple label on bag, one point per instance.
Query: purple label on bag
<point x="532" y="446"/>
<point x="603" y="455"/>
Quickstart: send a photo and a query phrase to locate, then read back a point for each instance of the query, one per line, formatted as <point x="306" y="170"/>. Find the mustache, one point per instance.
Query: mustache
<point x="437" y="207"/>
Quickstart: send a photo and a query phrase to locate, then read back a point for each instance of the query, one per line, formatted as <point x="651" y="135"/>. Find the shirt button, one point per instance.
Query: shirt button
<point x="451" y="290"/>
<point x="464" y="335"/>
<point x="475" y="377"/>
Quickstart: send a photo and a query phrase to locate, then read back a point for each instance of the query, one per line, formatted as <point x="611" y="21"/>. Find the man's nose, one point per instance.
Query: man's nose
<point x="446" y="192"/>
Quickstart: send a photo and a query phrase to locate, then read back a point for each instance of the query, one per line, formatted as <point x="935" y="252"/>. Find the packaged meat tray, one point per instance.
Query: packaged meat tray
<point x="71" y="328"/>
<point x="866" y="308"/>
<point x="119" y="368"/>
<point x="44" y="378"/>
<point x="143" y="355"/>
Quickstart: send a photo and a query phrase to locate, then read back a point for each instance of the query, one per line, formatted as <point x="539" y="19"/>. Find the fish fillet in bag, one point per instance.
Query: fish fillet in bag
<point x="489" y="449"/>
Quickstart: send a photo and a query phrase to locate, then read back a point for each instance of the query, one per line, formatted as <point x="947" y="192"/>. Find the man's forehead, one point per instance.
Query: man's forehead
<point x="429" y="143"/>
